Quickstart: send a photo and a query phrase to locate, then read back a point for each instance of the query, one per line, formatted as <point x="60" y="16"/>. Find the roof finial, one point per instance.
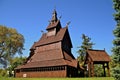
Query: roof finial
<point x="42" y="31"/>
<point x="68" y="24"/>
<point x="104" y="49"/>
<point x="60" y="17"/>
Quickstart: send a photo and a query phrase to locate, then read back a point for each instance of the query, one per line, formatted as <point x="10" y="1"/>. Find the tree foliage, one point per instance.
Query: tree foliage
<point x="116" y="41"/>
<point x="86" y="44"/>
<point x="11" y="42"/>
<point x="14" y="63"/>
<point x="98" y="70"/>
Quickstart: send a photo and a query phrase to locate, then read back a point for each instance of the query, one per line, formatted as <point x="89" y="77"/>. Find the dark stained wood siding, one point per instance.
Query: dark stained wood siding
<point x="48" y="47"/>
<point x="61" y="73"/>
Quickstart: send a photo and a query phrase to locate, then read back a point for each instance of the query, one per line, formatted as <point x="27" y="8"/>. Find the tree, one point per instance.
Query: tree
<point x="86" y="44"/>
<point x="11" y="42"/>
<point x="14" y="63"/>
<point x="98" y="70"/>
<point x="116" y="41"/>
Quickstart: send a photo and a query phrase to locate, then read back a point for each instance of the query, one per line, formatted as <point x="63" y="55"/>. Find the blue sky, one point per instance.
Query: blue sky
<point x="91" y="17"/>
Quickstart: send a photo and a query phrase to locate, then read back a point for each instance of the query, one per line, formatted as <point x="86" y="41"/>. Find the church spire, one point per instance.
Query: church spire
<point x="54" y="16"/>
<point x="54" y="22"/>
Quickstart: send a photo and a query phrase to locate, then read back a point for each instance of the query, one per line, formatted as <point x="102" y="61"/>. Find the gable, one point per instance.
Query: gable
<point x="67" y="39"/>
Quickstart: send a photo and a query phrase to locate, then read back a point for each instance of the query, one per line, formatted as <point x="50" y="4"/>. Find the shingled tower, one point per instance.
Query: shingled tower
<point x="50" y="56"/>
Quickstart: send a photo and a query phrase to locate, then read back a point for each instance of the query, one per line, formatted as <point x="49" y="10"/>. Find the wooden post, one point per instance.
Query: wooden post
<point x="104" y="69"/>
<point x="92" y="69"/>
<point x="66" y="71"/>
<point x="108" y="69"/>
<point x="89" y="73"/>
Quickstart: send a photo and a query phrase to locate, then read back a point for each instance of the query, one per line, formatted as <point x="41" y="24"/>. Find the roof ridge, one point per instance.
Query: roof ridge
<point x="96" y="50"/>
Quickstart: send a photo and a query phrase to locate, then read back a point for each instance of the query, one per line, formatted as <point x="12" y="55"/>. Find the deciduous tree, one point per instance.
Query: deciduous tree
<point x="11" y="42"/>
<point x="17" y="61"/>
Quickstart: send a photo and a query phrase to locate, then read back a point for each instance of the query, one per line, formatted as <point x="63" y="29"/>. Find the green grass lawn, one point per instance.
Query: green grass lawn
<point x="94" y="78"/>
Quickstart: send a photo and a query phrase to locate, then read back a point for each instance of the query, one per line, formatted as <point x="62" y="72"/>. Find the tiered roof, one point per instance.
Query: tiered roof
<point x="53" y="57"/>
<point x="48" y="63"/>
<point x="52" y="39"/>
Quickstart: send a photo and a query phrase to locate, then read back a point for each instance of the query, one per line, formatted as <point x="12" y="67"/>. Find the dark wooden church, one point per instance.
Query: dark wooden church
<point x="51" y="56"/>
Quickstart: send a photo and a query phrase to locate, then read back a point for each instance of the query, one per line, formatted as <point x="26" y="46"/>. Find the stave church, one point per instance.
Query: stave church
<point x="51" y="55"/>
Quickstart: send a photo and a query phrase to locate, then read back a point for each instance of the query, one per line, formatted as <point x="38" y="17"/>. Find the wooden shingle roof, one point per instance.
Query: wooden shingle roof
<point x="53" y="25"/>
<point x="98" y="55"/>
<point x="52" y="39"/>
<point x="47" y="55"/>
<point x="47" y="63"/>
<point x="33" y="46"/>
